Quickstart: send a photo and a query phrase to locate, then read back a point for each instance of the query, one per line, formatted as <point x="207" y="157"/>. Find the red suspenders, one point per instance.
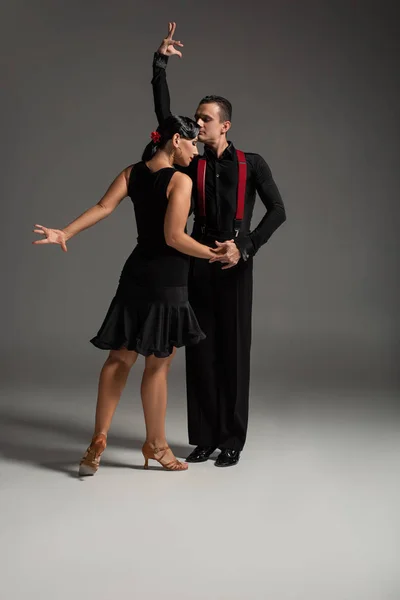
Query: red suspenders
<point x="241" y="190"/>
<point x="201" y="186"/>
<point x="241" y="185"/>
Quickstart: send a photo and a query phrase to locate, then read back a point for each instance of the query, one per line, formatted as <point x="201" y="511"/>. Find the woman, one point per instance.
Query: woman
<point x="150" y="313"/>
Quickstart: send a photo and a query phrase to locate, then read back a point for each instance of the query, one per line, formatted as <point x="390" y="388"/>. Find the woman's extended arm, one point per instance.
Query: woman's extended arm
<point x="117" y="191"/>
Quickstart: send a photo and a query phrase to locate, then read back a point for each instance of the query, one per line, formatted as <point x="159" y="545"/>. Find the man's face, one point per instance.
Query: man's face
<point x="208" y="118"/>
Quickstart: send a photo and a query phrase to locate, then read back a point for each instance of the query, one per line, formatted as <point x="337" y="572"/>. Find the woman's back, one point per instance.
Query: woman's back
<point x="152" y="262"/>
<point x="148" y="192"/>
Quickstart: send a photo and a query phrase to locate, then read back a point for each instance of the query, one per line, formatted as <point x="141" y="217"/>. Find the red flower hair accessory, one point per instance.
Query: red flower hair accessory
<point x="155" y="136"/>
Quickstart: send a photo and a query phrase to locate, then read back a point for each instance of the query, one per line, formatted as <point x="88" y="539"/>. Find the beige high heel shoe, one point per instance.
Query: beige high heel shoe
<point x="150" y="453"/>
<point x="90" y="461"/>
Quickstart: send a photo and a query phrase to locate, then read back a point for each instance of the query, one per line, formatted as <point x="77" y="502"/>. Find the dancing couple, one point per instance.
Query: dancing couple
<point x="186" y="290"/>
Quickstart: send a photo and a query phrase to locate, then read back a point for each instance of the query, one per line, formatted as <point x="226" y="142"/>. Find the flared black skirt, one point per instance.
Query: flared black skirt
<point x="149" y="320"/>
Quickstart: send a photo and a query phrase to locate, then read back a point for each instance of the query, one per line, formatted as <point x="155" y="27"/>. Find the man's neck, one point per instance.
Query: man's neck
<point x="218" y="147"/>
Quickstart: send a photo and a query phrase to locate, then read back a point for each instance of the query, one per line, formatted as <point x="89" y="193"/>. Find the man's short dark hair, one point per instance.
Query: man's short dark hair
<point x="225" y="107"/>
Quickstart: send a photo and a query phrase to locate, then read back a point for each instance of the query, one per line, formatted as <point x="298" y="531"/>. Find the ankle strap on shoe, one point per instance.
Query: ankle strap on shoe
<point x="156" y="450"/>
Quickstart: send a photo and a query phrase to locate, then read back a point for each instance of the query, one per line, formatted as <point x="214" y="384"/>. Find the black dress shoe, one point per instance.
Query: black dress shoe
<point x="227" y="458"/>
<point x="201" y="454"/>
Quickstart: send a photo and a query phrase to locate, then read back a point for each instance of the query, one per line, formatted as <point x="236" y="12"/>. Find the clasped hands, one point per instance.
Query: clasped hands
<point x="227" y="253"/>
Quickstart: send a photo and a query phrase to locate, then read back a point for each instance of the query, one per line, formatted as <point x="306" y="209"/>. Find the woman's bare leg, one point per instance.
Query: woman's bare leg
<point x="113" y="378"/>
<point x="154" y="399"/>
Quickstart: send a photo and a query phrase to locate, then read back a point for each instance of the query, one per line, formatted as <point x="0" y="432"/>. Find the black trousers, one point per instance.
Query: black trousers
<point x="218" y="368"/>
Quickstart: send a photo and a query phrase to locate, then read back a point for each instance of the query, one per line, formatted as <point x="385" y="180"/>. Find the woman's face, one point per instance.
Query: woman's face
<point x="185" y="152"/>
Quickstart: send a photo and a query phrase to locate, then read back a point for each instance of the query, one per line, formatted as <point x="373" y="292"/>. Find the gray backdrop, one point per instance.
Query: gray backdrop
<point x="311" y="511"/>
<point x="315" y="91"/>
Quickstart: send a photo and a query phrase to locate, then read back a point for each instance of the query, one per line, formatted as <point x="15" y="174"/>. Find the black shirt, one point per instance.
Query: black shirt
<point x="222" y="181"/>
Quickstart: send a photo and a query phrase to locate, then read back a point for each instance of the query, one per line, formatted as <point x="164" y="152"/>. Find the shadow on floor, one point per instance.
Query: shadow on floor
<point x="35" y="440"/>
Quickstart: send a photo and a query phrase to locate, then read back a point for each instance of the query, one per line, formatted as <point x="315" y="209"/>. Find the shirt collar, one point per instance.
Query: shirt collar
<point x="228" y="153"/>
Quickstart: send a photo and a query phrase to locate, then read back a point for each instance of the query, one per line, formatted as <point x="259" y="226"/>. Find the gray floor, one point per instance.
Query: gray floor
<point x="310" y="513"/>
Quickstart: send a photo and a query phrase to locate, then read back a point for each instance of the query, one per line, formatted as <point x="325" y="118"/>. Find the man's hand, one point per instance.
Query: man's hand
<point x="168" y="44"/>
<point x="226" y="252"/>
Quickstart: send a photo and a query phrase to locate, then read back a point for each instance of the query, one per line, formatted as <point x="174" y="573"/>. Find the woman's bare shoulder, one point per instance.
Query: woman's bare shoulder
<point x="181" y="179"/>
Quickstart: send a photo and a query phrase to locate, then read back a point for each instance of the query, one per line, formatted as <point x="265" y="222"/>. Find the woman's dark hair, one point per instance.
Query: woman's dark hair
<point x="187" y="129"/>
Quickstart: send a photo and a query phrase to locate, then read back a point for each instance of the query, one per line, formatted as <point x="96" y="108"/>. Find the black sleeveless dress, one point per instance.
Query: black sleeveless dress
<point x="150" y="312"/>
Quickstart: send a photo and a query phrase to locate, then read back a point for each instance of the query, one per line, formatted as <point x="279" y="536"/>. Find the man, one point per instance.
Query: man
<point x="218" y="369"/>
